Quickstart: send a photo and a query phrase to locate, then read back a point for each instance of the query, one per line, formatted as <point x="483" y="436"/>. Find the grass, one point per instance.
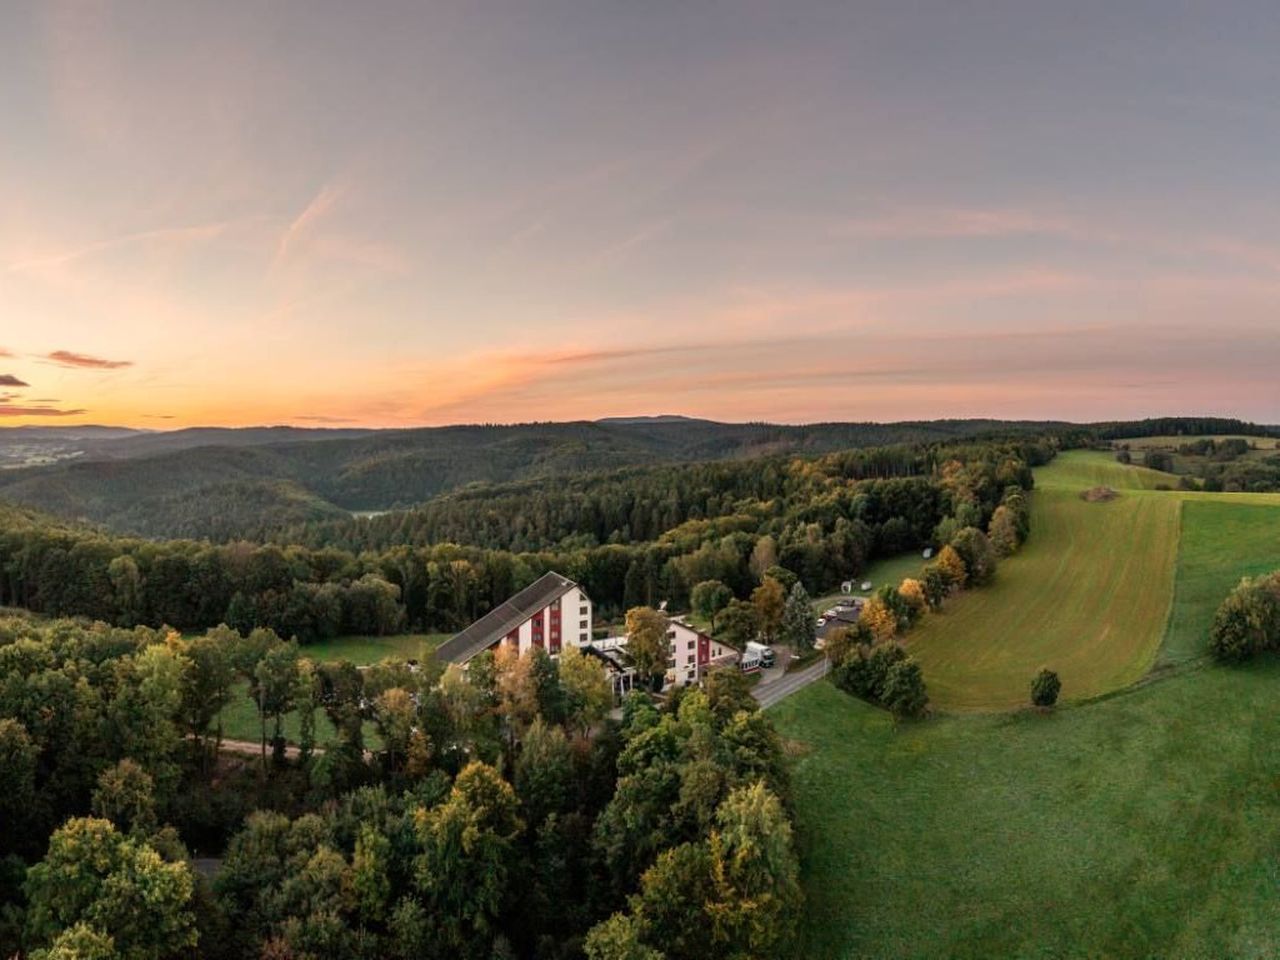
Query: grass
<point x="1087" y="596"/>
<point x="1222" y="541"/>
<point x="366" y="650"/>
<point x="1140" y="826"/>
<point x="890" y="571"/>
<point x="240" y="717"/>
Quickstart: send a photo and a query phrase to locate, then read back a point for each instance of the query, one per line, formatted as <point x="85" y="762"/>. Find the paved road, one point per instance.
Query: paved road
<point x="770" y="693"/>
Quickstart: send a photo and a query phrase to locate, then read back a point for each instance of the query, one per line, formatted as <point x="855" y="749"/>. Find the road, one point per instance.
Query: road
<point x="770" y="693"/>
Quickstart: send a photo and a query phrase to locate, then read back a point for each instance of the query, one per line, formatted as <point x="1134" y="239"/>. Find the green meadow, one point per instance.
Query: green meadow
<point x="1136" y="820"/>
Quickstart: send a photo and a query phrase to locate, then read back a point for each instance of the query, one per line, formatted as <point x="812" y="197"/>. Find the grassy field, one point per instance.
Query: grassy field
<point x="1222" y="541"/>
<point x="1087" y="596"/>
<point x="1145" y="825"/>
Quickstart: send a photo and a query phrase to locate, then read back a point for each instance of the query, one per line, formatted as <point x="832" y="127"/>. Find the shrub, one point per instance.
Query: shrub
<point x="904" y="691"/>
<point x="1045" y="688"/>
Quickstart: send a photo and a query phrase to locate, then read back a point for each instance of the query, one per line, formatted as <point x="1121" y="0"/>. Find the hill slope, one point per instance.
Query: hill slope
<point x="134" y="485"/>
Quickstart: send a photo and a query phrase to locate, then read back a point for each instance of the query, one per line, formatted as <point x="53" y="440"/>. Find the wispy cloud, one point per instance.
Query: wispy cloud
<point x="320" y="418"/>
<point x="9" y="380"/>
<point x="12" y="410"/>
<point x="66" y="358"/>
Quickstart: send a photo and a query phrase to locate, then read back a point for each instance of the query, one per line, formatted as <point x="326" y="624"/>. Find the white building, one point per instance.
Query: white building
<point x="551" y="612"/>
<point x="691" y="653"/>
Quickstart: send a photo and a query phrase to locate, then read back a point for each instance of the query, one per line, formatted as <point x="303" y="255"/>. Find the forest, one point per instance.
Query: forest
<point x="494" y="813"/>
<point x="247" y="484"/>
<point x="824" y="518"/>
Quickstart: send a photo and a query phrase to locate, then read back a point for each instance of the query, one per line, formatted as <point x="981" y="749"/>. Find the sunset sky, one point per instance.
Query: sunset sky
<point x="401" y="213"/>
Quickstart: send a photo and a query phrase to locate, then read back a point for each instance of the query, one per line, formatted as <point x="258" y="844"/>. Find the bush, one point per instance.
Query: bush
<point x="1248" y="621"/>
<point x="977" y="553"/>
<point x="1045" y="688"/>
<point x="904" y="691"/>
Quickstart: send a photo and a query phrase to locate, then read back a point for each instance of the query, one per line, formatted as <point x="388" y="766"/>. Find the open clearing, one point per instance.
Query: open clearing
<point x="1140" y="826"/>
<point x="1098" y="587"/>
<point x="1087" y="596"/>
<point x="240" y="716"/>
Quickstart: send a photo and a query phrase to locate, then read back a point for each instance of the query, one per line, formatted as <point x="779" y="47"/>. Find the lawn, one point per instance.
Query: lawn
<point x="1087" y="596"/>
<point x="1144" y="825"/>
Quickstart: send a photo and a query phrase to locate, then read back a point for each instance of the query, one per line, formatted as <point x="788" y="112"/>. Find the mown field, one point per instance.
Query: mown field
<point x="1087" y="596"/>
<point x="1141" y="824"/>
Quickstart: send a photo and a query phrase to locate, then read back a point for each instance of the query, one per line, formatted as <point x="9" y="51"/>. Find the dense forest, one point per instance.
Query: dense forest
<point x="231" y="484"/>
<point x="824" y="518"/>
<point x="494" y="812"/>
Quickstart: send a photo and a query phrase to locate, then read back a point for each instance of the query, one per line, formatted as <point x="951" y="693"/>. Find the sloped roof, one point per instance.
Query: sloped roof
<point x="504" y="618"/>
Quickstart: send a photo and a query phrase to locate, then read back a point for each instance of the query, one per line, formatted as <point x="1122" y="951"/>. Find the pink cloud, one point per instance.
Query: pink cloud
<point x="66" y="358"/>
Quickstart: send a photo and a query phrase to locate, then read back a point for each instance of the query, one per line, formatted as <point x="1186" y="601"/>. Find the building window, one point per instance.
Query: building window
<point x="582" y="624"/>
<point x="582" y="638"/>
<point x="672" y="650"/>
<point x="671" y="664"/>
<point x="584" y="610"/>
<point x="671" y="634"/>
<point x="689" y="660"/>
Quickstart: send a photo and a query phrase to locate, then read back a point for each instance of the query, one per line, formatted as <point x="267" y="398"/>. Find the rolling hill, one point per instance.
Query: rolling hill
<point x="231" y="483"/>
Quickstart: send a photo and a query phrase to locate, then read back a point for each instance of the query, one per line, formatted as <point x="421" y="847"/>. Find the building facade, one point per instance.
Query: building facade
<point x="550" y="613"/>
<point x="691" y="653"/>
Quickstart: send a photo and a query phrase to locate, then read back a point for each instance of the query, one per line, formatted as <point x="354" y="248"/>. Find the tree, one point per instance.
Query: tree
<point x="647" y="646"/>
<point x="708" y="598"/>
<point x="275" y="685"/>
<point x="517" y="689"/>
<point x="912" y="591"/>
<point x="977" y="553"/>
<point x="1003" y="531"/>
<point x="755" y="875"/>
<point x="799" y="625"/>
<point x="80" y="942"/>
<point x="763" y="556"/>
<point x="879" y="619"/>
<point x="739" y="623"/>
<point x="18" y="757"/>
<point x="393" y="713"/>
<point x="618" y="938"/>
<point x="1247" y="621"/>
<point x="1045" y="688"/>
<point x="904" y="689"/>
<point x="783" y="576"/>
<point x="588" y="693"/>
<point x="468" y="852"/>
<point x="207" y="681"/>
<point x="952" y="566"/>
<point x="125" y="797"/>
<point x="769" y="599"/>
<point x="543" y="775"/>
<point x="117" y="886"/>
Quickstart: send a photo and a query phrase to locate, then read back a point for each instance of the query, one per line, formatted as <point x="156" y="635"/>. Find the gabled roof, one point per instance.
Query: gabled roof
<point x="504" y="618"/>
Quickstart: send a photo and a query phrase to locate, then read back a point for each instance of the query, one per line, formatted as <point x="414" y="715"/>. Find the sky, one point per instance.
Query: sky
<point x="415" y="213"/>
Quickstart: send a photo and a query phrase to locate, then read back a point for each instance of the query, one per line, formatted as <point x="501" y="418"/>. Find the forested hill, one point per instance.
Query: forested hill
<point x="254" y="483"/>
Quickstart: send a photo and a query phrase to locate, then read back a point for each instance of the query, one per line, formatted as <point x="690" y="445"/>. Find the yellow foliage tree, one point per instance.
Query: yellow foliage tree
<point x="912" y="591"/>
<point x="949" y="562"/>
<point x="880" y="620"/>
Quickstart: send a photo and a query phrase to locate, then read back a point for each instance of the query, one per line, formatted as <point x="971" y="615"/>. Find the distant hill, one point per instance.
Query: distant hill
<point x="224" y="483"/>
